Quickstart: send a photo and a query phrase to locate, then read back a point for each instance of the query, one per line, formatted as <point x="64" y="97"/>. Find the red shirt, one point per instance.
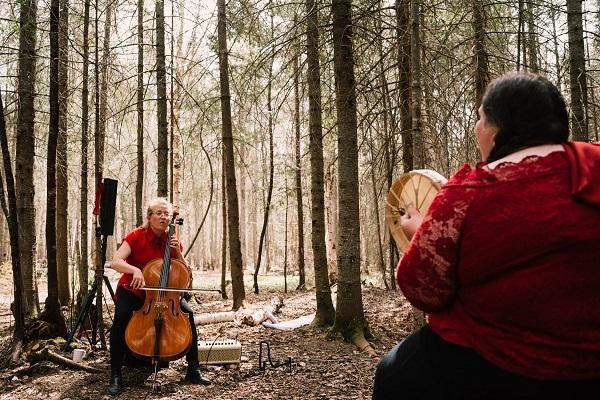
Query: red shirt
<point x="145" y="247"/>
<point x="507" y="262"/>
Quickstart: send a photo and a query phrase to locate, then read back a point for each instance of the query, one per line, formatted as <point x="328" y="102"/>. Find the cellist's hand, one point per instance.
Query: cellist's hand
<point x="138" y="279"/>
<point x="175" y="244"/>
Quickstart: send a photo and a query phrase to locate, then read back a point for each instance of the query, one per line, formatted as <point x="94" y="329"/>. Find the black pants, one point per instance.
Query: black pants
<point x="424" y="366"/>
<point x="125" y="304"/>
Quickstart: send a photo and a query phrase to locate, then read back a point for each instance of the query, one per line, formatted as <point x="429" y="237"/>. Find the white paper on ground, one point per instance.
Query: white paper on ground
<point x="292" y="324"/>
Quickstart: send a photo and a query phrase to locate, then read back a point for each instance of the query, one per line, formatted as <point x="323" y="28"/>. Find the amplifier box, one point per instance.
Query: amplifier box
<point x="219" y="352"/>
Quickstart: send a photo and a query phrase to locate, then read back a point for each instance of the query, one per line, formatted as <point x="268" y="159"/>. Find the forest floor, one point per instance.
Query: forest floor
<point x="312" y="366"/>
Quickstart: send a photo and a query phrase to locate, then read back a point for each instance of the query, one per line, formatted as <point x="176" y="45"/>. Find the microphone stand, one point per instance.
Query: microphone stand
<point x="85" y="308"/>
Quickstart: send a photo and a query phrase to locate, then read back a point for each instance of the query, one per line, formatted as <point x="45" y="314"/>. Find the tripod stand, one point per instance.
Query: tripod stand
<point x="88" y="301"/>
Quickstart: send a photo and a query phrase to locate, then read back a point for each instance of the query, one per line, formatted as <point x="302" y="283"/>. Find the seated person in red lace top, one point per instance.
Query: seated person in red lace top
<point x="506" y="263"/>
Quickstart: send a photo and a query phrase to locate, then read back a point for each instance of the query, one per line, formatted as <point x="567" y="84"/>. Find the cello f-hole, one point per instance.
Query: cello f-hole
<point x="149" y="308"/>
<point x="173" y="309"/>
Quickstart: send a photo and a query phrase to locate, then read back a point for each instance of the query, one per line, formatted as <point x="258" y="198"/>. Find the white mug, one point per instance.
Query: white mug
<point x="78" y="355"/>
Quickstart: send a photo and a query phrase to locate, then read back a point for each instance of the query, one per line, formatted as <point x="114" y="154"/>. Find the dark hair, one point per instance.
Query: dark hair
<point x="527" y="109"/>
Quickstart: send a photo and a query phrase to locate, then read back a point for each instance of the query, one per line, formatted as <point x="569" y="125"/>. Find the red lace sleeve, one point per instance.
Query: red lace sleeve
<point x="427" y="272"/>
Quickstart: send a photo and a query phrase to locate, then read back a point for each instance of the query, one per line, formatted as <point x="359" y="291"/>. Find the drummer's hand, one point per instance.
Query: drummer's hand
<point x="138" y="279"/>
<point x="410" y="222"/>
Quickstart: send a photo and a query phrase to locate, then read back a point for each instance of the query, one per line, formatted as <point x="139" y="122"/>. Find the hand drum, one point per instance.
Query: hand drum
<point x="414" y="189"/>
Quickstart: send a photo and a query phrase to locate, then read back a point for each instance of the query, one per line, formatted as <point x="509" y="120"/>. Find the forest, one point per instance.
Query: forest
<point x="275" y="128"/>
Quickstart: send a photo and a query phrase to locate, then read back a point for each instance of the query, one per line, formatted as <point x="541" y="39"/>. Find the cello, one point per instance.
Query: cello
<point x="160" y="331"/>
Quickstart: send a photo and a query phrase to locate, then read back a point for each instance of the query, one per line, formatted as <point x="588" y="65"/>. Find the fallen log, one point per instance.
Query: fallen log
<point x="205" y="319"/>
<point x="47" y="355"/>
<point x="258" y="316"/>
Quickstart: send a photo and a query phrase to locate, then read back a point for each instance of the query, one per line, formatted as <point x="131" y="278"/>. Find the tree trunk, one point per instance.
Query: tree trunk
<point x="24" y="163"/>
<point x="404" y="52"/>
<point x="224" y="229"/>
<point x="325" y="313"/>
<point x="404" y="72"/>
<point x="10" y="212"/>
<point x="532" y="42"/>
<point x="139" y="182"/>
<point x="520" y="34"/>
<point x="271" y="166"/>
<point x="52" y="312"/>
<point x="84" y="261"/>
<point x="52" y="301"/>
<point x="100" y="137"/>
<point x="577" y="71"/>
<point x="331" y="220"/>
<point x="481" y="73"/>
<point x="62" y="187"/>
<point x="479" y="52"/>
<point x="349" y="317"/>
<point x="298" y="172"/>
<point x="555" y="45"/>
<point x="161" y="106"/>
<point x="390" y="144"/>
<point x="244" y="214"/>
<point x="285" y="237"/>
<point x="233" y="218"/>
<point x="419" y="316"/>
<point x="415" y="57"/>
<point x="178" y="70"/>
<point x="375" y="210"/>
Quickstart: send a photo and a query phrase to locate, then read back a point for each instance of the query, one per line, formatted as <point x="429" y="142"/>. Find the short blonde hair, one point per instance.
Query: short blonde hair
<point x="157" y="201"/>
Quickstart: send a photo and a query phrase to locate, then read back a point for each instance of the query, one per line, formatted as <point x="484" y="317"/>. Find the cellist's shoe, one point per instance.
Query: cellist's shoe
<point x="194" y="374"/>
<point x="116" y="384"/>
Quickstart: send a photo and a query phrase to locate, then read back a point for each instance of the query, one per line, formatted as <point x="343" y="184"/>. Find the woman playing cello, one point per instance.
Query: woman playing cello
<point x="139" y="247"/>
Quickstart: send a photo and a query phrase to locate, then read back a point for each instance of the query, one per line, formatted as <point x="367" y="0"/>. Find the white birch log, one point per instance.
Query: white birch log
<point x="205" y="319"/>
